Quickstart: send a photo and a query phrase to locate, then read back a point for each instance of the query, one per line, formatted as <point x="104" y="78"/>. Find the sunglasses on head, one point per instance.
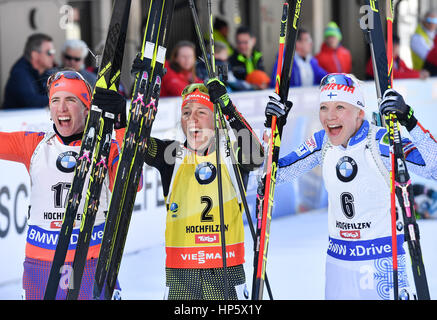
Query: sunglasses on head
<point x="68" y="57"/>
<point x="193" y="87"/>
<point x="337" y="78"/>
<point x="67" y="74"/>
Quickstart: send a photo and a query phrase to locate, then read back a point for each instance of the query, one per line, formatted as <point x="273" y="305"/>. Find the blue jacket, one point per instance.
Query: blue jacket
<point x="25" y="88"/>
<point x="295" y="80"/>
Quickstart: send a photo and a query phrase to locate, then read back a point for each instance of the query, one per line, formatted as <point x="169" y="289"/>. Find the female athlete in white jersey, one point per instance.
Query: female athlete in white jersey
<point x="354" y="155"/>
<point x="50" y="159"/>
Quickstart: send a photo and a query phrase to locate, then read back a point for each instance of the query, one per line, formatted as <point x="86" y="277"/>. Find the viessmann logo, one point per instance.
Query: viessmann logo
<point x="202" y="256"/>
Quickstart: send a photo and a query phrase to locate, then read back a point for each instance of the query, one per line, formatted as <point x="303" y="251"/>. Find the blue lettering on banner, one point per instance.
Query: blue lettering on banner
<point x="363" y="249"/>
<point x="47" y="239"/>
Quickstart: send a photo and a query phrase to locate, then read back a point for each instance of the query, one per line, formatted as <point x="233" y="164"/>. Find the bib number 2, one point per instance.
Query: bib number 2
<point x="206" y="216"/>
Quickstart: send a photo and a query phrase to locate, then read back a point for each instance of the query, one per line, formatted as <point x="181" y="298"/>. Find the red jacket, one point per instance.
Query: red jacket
<point x="335" y="60"/>
<point x="173" y="83"/>
<point x="400" y="70"/>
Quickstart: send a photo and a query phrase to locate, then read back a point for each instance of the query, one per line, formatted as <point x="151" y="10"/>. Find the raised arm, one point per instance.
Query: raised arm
<point x="250" y="153"/>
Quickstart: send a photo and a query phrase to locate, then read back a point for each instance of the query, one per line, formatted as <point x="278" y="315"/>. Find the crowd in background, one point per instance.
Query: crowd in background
<point x="241" y="67"/>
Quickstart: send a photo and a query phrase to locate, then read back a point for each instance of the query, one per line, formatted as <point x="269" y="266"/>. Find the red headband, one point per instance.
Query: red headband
<point x="75" y="86"/>
<point x="198" y="97"/>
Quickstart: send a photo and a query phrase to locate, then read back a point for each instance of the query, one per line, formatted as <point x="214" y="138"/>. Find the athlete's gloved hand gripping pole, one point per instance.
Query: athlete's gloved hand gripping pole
<point x="219" y="95"/>
<point x="278" y="109"/>
<point x="393" y="102"/>
<point x="112" y="102"/>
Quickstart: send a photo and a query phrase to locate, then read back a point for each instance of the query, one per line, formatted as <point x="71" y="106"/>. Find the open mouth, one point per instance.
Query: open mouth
<point x="194" y="132"/>
<point x="64" y="121"/>
<point x="334" y="129"/>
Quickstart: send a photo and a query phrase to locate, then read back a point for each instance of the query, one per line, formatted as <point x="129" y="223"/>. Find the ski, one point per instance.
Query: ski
<point x="97" y="127"/>
<point x="401" y="183"/>
<point x="151" y="102"/>
<point x="266" y="187"/>
<point x="142" y="115"/>
<point x="393" y="214"/>
<point x="98" y="174"/>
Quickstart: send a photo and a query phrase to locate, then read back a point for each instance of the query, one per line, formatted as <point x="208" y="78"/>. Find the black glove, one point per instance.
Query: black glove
<point x="138" y="65"/>
<point x="393" y="102"/>
<point x="112" y="102"/>
<point x="276" y="108"/>
<point x="218" y="94"/>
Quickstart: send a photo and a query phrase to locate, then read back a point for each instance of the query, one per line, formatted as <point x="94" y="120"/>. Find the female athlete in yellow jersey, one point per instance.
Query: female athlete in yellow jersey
<point x="189" y="179"/>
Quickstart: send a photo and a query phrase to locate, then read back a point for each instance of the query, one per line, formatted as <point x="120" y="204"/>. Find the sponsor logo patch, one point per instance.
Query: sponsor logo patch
<point x="205" y="173"/>
<point x="206" y="238"/>
<point x="353" y="234"/>
<point x="308" y="146"/>
<point x="346" y="169"/>
<point x="66" y="161"/>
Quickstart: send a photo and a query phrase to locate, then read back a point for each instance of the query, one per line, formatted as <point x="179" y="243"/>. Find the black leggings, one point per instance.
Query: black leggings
<point x="203" y="284"/>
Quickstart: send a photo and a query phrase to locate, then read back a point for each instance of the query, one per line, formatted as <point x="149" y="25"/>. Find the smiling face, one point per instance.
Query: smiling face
<point x="197" y="125"/>
<point x="340" y="120"/>
<point x="68" y="113"/>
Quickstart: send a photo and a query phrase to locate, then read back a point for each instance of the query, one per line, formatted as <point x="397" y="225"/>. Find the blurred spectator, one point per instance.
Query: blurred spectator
<point x="400" y="69"/>
<point x="245" y="58"/>
<point x="333" y="57"/>
<point x="74" y="53"/>
<point x="422" y="40"/>
<point x="26" y="86"/>
<point x="221" y="60"/>
<point x="181" y="69"/>
<point x="258" y="79"/>
<point x="431" y="59"/>
<point x="306" y="70"/>
<point x="220" y="33"/>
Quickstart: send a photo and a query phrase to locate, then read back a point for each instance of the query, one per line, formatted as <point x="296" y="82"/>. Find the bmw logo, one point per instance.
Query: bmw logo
<point x="346" y="169"/>
<point x="66" y="161"/>
<point x="205" y="172"/>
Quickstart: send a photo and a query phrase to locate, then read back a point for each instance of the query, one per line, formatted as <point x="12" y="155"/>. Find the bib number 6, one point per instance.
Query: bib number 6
<point x="347" y="204"/>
